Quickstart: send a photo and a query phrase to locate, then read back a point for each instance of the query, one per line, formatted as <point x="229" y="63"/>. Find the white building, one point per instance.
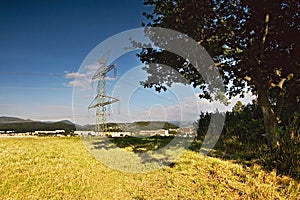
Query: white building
<point x="85" y="133"/>
<point x="160" y="132"/>
<point x="56" y="132"/>
<point x="120" y="134"/>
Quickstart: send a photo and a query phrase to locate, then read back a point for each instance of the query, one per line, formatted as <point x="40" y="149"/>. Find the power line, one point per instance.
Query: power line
<point x="34" y="88"/>
<point x="8" y="73"/>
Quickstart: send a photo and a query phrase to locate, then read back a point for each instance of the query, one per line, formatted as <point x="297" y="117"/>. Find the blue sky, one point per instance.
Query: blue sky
<point x="42" y="40"/>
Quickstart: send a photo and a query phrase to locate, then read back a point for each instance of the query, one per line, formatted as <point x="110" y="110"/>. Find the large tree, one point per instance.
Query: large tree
<point x="255" y="45"/>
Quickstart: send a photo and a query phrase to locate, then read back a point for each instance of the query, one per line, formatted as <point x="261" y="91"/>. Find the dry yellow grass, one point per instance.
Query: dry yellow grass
<point x="56" y="168"/>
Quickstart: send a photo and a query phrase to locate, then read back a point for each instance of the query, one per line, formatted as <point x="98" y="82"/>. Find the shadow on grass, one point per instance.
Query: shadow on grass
<point x="247" y="152"/>
<point x="140" y="145"/>
<point x="131" y="154"/>
<point x="250" y="151"/>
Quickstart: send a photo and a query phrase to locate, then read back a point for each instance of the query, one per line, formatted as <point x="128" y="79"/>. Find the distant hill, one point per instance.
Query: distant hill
<point x="135" y="126"/>
<point x="146" y="125"/>
<point x="66" y="122"/>
<point x="153" y="125"/>
<point x="176" y="123"/>
<point x="5" y="119"/>
<point x="26" y="125"/>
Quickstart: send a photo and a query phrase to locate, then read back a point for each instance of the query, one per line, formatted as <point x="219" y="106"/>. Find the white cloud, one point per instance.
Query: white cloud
<point x="76" y="83"/>
<point x="74" y="75"/>
<point x="82" y="78"/>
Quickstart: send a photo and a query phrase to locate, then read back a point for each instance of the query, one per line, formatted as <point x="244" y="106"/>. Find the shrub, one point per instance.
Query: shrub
<point x="242" y="139"/>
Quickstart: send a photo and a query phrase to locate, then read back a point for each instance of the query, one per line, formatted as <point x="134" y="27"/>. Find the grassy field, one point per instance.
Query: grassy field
<point x="62" y="168"/>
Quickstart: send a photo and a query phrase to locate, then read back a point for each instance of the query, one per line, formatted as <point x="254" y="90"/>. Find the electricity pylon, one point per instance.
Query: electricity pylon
<point x="102" y="100"/>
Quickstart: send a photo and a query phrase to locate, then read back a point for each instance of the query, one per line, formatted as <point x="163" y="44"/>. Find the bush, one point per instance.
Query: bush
<point x="242" y="139"/>
<point x="285" y="159"/>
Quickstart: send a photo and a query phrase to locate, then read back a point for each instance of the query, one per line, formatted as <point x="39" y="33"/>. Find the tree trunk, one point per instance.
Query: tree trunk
<point x="270" y="121"/>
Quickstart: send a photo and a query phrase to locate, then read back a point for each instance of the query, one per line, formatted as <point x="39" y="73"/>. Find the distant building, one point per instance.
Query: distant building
<point x="187" y="132"/>
<point x="109" y="134"/>
<point x="146" y="133"/>
<point x="55" y="133"/>
<point x="6" y="132"/>
<point x="86" y="133"/>
<point x="149" y="133"/>
<point x="120" y="134"/>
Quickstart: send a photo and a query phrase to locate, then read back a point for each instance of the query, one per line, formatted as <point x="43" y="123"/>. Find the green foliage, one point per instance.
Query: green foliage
<point x="238" y="107"/>
<point x="202" y="124"/>
<point x="244" y="122"/>
<point x="232" y="32"/>
<point x="286" y="159"/>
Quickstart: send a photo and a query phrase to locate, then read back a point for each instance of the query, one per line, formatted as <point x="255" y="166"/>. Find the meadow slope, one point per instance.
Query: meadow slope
<point x="62" y="168"/>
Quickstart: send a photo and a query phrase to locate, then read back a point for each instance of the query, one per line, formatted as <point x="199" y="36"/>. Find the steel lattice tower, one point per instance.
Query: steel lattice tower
<point x="102" y="100"/>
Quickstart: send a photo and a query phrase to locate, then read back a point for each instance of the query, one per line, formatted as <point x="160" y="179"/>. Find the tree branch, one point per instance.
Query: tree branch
<point x="282" y="81"/>
<point x="265" y="33"/>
